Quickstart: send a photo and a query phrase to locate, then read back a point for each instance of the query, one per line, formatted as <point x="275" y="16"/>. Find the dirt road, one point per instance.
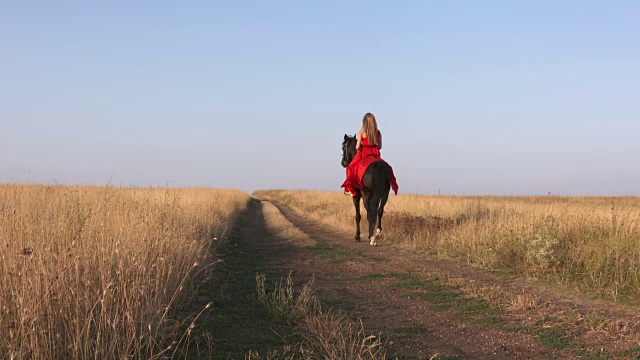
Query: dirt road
<point x="430" y="308"/>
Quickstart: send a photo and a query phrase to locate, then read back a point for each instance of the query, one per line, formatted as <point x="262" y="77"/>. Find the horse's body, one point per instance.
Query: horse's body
<point x="377" y="182"/>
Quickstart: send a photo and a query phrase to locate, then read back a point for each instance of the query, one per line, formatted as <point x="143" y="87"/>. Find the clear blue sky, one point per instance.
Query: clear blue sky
<point x="473" y="97"/>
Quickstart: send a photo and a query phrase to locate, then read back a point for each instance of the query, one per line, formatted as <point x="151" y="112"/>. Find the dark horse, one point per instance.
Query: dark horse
<point x="377" y="182"/>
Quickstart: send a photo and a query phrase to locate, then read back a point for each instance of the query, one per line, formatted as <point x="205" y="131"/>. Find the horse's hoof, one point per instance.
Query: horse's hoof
<point x="373" y="241"/>
<point x="357" y="238"/>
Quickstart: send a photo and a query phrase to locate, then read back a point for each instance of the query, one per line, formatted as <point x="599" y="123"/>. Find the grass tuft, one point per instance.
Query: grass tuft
<point x="325" y="334"/>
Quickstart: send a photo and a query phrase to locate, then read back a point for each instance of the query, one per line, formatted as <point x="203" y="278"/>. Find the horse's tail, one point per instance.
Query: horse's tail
<point x="392" y="179"/>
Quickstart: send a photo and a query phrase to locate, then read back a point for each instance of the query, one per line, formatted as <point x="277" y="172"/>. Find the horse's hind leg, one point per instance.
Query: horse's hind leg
<point x="356" y="203"/>
<point x="383" y="202"/>
<point x="372" y="213"/>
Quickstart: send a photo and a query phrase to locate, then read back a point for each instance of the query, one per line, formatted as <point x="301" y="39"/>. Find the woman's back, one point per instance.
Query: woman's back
<point x="367" y="148"/>
<point x="365" y="140"/>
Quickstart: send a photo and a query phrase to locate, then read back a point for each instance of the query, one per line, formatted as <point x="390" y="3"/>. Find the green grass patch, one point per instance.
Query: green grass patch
<point x="406" y="331"/>
<point x="441" y="307"/>
<point x="556" y="337"/>
<point x="437" y="297"/>
<point x="442" y="297"/>
<point x="633" y="353"/>
<point x="407" y="281"/>
<point x="599" y="355"/>
<point x="491" y="321"/>
<point x="474" y="306"/>
<point x="373" y="276"/>
<point x="339" y="254"/>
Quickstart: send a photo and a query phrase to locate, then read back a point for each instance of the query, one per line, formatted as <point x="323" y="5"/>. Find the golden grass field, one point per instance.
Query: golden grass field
<point x="103" y="272"/>
<point x="588" y="243"/>
<point x="97" y="272"/>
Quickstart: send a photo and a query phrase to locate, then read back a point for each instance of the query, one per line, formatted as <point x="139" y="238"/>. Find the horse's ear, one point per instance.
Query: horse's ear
<point x="346" y="137"/>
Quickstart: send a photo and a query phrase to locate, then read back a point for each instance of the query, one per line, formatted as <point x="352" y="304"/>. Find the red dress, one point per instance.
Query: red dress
<point x="359" y="164"/>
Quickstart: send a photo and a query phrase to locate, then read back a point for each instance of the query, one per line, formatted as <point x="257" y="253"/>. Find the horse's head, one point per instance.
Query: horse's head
<point x="348" y="149"/>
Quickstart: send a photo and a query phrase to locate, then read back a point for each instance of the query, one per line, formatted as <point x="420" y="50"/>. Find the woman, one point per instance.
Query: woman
<point x="365" y="147"/>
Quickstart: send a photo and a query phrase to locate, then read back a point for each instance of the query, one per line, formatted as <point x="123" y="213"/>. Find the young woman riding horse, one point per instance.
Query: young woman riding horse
<point x="365" y="146"/>
<point x="368" y="176"/>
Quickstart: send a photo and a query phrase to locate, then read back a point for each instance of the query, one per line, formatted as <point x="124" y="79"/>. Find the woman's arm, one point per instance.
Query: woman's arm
<point x="359" y="142"/>
<point x="379" y="140"/>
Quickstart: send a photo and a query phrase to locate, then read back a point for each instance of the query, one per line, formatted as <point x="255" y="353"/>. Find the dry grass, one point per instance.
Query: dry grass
<point x="325" y="334"/>
<point x="607" y="326"/>
<point x="588" y="242"/>
<point x="98" y="272"/>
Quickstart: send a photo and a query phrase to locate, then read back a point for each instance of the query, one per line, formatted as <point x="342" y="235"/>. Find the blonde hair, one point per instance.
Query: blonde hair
<point x="370" y="128"/>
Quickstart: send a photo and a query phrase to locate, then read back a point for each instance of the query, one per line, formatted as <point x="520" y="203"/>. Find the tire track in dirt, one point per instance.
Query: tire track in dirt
<point x="410" y="325"/>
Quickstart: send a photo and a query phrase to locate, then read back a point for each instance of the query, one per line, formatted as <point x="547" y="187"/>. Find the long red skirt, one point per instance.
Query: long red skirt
<point x="358" y="166"/>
